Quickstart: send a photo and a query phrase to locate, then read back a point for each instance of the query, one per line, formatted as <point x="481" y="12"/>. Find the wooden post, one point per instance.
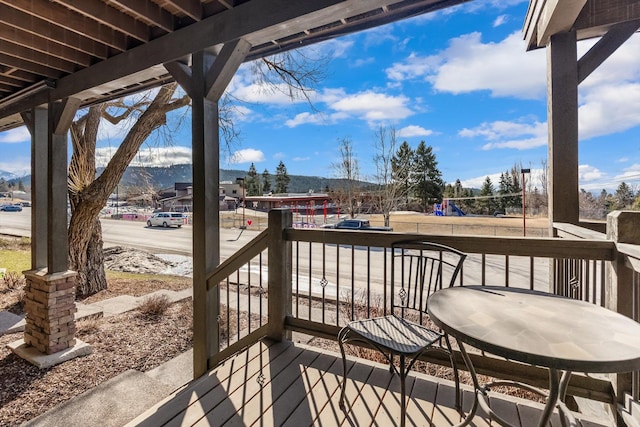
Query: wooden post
<point x="279" y="273"/>
<point x="622" y="227"/>
<point x="562" y="112"/>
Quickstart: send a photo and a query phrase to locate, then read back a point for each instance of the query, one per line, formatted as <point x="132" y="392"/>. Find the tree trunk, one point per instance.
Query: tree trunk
<point x="88" y="194"/>
<point x="87" y="259"/>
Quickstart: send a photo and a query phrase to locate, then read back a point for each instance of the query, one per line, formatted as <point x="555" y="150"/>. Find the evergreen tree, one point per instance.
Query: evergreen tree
<point x="266" y="182"/>
<point x="429" y="184"/>
<point x="515" y="187"/>
<point x="402" y="168"/>
<point x="623" y="197"/>
<point x="504" y="188"/>
<point x="282" y="178"/>
<point x="20" y="186"/>
<point x="4" y="187"/>
<point x="487" y="204"/>
<point x="252" y="181"/>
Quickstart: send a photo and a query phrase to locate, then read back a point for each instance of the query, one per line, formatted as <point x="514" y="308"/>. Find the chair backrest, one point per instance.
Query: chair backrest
<point x="418" y="269"/>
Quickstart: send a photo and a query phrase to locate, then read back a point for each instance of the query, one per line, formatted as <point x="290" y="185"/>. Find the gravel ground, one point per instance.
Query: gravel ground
<point x="128" y="341"/>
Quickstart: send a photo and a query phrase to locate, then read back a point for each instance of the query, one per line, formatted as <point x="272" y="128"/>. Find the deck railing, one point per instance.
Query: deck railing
<point x="314" y="280"/>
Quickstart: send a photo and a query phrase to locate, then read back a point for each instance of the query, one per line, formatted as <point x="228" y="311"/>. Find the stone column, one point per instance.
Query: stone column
<point x="50" y="307"/>
<point x="622" y="227"/>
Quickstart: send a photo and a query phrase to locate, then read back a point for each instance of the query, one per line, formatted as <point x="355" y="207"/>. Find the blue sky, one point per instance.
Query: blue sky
<point x="459" y="79"/>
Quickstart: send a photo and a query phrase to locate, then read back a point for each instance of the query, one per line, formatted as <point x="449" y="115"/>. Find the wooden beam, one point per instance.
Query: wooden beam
<point x="52" y="33"/>
<point x="558" y="16"/>
<point x="57" y="239"/>
<point x="226" y="26"/>
<point x="206" y="219"/>
<point x="224" y="67"/>
<point x="608" y="44"/>
<point x="191" y="8"/>
<point x="149" y="12"/>
<point x="562" y="100"/>
<point x="600" y="15"/>
<point x="108" y="16"/>
<point x="32" y="56"/>
<point x="65" y="18"/>
<point x="44" y="46"/>
<point x="182" y="74"/>
<point x="37" y="121"/>
<point x="31" y="67"/>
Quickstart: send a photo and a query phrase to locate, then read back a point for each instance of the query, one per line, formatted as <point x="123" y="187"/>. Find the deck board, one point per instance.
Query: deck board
<point x="286" y="384"/>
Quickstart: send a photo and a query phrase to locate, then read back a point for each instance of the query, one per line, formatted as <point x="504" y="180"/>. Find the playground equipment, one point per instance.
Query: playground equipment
<point x="456" y="209"/>
<point x="446" y="208"/>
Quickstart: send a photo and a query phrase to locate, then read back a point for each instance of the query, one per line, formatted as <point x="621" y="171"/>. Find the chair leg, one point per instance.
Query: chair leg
<point x="403" y="403"/>
<point x="456" y="374"/>
<point x="341" y="335"/>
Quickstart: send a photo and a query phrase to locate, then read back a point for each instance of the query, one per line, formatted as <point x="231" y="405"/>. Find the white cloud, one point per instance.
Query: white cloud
<point x="150" y="157"/>
<point x="502" y="134"/>
<point x="301" y="159"/>
<point x="246" y="155"/>
<point x="587" y="173"/>
<point x="15" y="136"/>
<point x="623" y="159"/>
<point x="468" y="64"/>
<point x="608" y="109"/>
<point x="263" y="94"/>
<point x="478" y="181"/>
<point x="303" y="118"/>
<point x="410" y="131"/>
<point x="500" y="20"/>
<point x="630" y="174"/>
<point x="373" y="107"/>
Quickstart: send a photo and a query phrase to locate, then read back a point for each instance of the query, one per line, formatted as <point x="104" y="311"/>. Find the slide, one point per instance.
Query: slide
<point x="456" y="209"/>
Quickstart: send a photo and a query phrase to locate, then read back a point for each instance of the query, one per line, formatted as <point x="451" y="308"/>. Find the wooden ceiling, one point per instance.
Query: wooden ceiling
<point x="589" y="18"/>
<point x="100" y="49"/>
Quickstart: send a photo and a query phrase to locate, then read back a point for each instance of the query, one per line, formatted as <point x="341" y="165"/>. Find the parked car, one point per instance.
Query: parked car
<point x="166" y="219"/>
<point x="356" y="224"/>
<point x="11" y="208"/>
<point x="26" y="204"/>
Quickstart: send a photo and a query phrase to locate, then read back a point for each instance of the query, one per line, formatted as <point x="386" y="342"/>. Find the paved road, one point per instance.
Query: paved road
<point x="137" y="234"/>
<point x="367" y="269"/>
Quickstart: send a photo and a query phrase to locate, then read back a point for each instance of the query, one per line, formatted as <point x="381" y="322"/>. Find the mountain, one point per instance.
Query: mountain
<point x="8" y="176"/>
<point x="165" y="177"/>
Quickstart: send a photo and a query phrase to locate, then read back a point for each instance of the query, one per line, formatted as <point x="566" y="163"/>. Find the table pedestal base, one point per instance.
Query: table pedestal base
<point x="558" y="383"/>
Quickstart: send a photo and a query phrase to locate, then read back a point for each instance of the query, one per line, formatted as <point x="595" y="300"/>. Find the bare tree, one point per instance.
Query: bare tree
<point x="290" y="72"/>
<point x="347" y="170"/>
<point x="88" y="194"/>
<point x="390" y="190"/>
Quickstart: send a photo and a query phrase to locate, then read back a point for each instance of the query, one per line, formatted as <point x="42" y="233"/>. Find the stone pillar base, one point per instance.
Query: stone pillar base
<point x="50" y="307"/>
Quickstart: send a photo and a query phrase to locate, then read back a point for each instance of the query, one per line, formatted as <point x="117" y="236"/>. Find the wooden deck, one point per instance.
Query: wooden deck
<point x="286" y="384"/>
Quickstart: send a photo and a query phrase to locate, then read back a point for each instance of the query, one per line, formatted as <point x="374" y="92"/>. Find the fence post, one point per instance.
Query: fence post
<point x="279" y="281"/>
<point x="622" y="227"/>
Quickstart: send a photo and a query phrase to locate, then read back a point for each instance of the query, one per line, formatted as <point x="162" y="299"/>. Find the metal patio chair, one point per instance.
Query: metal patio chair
<point x="418" y="269"/>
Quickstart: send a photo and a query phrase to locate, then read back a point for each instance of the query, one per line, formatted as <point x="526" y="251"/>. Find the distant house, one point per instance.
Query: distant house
<point x="180" y="198"/>
<point x="294" y="201"/>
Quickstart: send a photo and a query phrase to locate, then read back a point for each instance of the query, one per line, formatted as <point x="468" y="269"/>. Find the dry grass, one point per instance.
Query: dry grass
<point x="126" y="341"/>
<point x="154" y="306"/>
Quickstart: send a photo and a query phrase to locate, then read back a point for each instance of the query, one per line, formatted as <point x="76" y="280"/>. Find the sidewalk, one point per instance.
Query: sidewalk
<point x="119" y="400"/>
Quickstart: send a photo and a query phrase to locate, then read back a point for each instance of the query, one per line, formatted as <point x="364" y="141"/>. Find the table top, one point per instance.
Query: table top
<point x="538" y="328"/>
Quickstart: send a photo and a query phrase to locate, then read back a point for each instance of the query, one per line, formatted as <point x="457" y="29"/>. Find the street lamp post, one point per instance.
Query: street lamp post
<point x="241" y="182"/>
<point x="524" y="203"/>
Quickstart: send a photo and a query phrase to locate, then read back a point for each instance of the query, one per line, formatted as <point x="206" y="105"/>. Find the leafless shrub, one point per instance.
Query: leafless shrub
<point x="12" y="281"/>
<point x="88" y="326"/>
<point x="154" y="306"/>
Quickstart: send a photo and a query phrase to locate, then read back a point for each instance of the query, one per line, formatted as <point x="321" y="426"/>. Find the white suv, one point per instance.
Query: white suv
<point x="166" y="219"/>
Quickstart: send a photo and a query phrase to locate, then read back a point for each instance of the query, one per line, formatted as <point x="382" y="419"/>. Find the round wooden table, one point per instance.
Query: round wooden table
<point x="537" y="328"/>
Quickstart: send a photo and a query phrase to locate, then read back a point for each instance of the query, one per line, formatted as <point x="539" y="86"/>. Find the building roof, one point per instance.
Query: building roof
<point x="94" y="50"/>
